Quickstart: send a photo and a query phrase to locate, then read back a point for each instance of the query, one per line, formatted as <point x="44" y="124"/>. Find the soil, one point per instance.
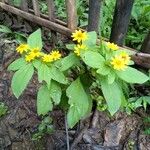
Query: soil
<point x="97" y="132"/>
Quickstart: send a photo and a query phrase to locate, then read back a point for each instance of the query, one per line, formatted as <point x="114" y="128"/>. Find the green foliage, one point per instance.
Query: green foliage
<point x="21" y="79"/>
<point x="132" y="75"/>
<point x="44" y="73"/>
<point x="93" y="59"/>
<point x="5" y="29"/>
<point x="113" y="94"/>
<point x="139" y="24"/>
<point x="3" y="109"/>
<point x="147" y="126"/>
<point x="55" y="92"/>
<point x="61" y="9"/>
<point x="57" y="75"/>
<point x="107" y="11"/>
<point x="68" y="62"/>
<point x="91" y="40"/>
<point x="44" y="102"/>
<point x="69" y="81"/>
<point x="35" y="39"/>
<point x="136" y="102"/>
<point x="17" y="64"/>
<point x="19" y="37"/>
<point x="78" y="101"/>
<point x="45" y="127"/>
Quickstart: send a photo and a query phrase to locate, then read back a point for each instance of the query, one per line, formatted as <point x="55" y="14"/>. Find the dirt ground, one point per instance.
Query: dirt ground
<point x="97" y="132"/>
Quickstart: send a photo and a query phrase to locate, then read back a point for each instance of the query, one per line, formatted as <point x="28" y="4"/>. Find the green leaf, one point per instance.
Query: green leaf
<point x="93" y="59"/>
<point x="44" y="73"/>
<point x="17" y="64"/>
<point x="78" y="101"/>
<point x="147" y="99"/>
<point x="21" y="78"/>
<point x="36" y="63"/>
<point x="68" y="62"/>
<point x="92" y="37"/>
<point x="35" y="40"/>
<point x="73" y="116"/>
<point x="5" y="29"/>
<point x="70" y="46"/>
<point x="55" y="92"/>
<point x="44" y="103"/>
<point x="57" y="75"/>
<point x="113" y="95"/>
<point x="132" y="75"/>
<point x="20" y="37"/>
<point x="103" y="70"/>
<point x="111" y="77"/>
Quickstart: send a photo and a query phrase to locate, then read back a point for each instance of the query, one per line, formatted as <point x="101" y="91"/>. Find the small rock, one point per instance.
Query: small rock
<point x="93" y="136"/>
<point x="118" y="131"/>
<point x="4" y="138"/>
<point x="18" y="146"/>
<point x="144" y="142"/>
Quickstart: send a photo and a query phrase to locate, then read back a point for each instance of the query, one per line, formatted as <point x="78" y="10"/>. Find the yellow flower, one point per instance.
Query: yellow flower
<point x="78" y="48"/>
<point x="35" y="52"/>
<point x="79" y="36"/>
<point x="47" y="58"/>
<point x="112" y="46"/>
<point x="125" y="57"/>
<point x="55" y="55"/>
<point x="118" y="63"/>
<point x="77" y="52"/>
<point x="29" y="57"/>
<point x="22" y="48"/>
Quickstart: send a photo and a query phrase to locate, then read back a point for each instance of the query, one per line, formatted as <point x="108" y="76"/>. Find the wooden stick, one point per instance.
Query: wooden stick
<point x="51" y="10"/>
<point x="94" y="15"/>
<point x="9" y="2"/>
<point x="146" y="44"/>
<point x="51" y="14"/>
<point x="121" y="20"/>
<point x="6" y="1"/>
<point x="139" y="58"/>
<point x="43" y="22"/>
<point x="71" y="14"/>
<point x="36" y="7"/>
<point x="47" y="17"/>
<point x="24" y="5"/>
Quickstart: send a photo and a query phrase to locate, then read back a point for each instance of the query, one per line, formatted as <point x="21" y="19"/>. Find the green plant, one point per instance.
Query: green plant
<point x="67" y="81"/>
<point x="13" y="35"/>
<point x="45" y="127"/>
<point x="139" y="22"/>
<point x="147" y="128"/>
<point x="43" y="7"/>
<point x="106" y="18"/>
<point x="136" y="102"/>
<point x="3" y="109"/>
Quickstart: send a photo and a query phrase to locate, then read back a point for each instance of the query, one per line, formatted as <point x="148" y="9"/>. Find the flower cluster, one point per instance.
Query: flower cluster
<point x="32" y="53"/>
<point x="79" y="36"/>
<point x="112" y="46"/>
<point x="120" y="62"/>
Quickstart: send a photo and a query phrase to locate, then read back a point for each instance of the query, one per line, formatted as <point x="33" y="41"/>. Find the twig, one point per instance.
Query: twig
<point x="78" y="138"/>
<point x="95" y="118"/>
<point x="67" y="135"/>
